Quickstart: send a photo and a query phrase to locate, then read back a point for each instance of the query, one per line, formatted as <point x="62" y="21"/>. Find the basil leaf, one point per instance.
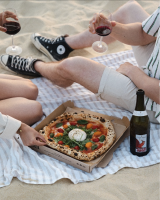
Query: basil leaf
<point x="88" y="131"/>
<point x="89" y="136"/>
<point x="68" y="129"/>
<point x="102" y="138"/>
<point x="94" y="147"/>
<point x="65" y="133"/>
<point x="85" y="141"/>
<point x="73" y="126"/>
<point x="82" y="121"/>
<point x="82" y="148"/>
<point x="59" y="124"/>
<point x="51" y="135"/>
<point x="57" y="139"/>
<point x="94" y="130"/>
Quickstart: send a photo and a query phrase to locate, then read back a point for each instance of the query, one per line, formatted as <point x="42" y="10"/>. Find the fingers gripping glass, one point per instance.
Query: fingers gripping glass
<point x="103" y="28"/>
<point x="11" y="23"/>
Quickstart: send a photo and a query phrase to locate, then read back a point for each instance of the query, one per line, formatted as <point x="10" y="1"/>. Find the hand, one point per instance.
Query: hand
<point x="126" y="69"/>
<point x="95" y="20"/>
<point x="30" y="136"/>
<point x="3" y="16"/>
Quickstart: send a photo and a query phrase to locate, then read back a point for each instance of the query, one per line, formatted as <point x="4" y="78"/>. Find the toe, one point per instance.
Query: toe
<point x="34" y="35"/>
<point x="4" y="59"/>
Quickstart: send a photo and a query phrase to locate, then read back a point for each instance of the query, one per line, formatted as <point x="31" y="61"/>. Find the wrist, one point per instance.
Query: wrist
<point x="131" y="71"/>
<point x="21" y="128"/>
<point x="115" y="28"/>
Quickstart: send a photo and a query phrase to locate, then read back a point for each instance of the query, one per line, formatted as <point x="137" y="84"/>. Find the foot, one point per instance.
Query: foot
<point x="56" y="49"/>
<point x="19" y="65"/>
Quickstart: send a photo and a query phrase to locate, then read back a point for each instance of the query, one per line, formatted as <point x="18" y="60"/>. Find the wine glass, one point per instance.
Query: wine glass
<point x="11" y="23"/>
<point x="103" y="28"/>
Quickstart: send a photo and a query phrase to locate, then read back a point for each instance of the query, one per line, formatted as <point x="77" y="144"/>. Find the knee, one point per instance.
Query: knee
<point x="66" y="70"/>
<point x="123" y="13"/>
<point x="37" y="111"/>
<point x="32" y="91"/>
<point x="64" y="67"/>
<point x="131" y="5"/>
<point x="68" y="66"/>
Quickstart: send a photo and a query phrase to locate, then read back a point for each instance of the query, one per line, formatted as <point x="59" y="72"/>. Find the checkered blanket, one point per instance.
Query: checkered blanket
<point x="29" y="166"/>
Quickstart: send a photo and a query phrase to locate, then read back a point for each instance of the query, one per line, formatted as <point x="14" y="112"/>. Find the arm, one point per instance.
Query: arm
<point x="131" y="34"/>
<point x="142" y="81"/>
<point x="9" y="126"/>
<point x="138" y="33"/>
<point x="30" y="136"/>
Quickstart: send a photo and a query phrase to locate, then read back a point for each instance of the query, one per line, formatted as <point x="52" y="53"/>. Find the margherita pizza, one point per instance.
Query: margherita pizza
<point x="81" y="136"/>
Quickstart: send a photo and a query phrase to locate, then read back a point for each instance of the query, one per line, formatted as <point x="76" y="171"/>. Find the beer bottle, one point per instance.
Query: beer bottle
<point x="140" y="128"/>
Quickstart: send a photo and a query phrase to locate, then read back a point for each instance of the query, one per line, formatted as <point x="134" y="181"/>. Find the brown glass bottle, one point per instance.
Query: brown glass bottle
<point x="140" y="128"/>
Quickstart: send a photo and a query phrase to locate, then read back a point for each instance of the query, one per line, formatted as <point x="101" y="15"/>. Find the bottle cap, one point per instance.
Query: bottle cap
<point x="140" y="92"/>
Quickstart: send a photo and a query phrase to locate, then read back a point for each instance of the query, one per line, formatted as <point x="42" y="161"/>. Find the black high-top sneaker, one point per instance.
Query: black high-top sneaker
<point x="19" y="65"/>
<point x="56" y="49"/>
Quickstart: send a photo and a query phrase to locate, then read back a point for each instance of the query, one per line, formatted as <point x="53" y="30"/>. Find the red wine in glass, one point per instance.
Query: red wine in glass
<point x="11" y="23"/>
<point x="12" y="27"/>
<point x="103" y="30"/>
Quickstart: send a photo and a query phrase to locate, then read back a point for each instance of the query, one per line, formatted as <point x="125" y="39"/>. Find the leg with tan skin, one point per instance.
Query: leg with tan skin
<point x="17" y="99"/>
<point x="130" y="12"/>
<point x="77" y="69"/>
<point x="12" y="86"/>
<point x="27" y="111"/>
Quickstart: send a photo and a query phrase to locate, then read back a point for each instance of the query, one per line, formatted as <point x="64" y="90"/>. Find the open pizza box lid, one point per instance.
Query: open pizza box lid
<point x="121" y="129"/>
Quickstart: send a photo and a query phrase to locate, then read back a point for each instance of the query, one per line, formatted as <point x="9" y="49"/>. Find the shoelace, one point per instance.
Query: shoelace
<point x="22" y="63"/>
<point x="53" y="40"/>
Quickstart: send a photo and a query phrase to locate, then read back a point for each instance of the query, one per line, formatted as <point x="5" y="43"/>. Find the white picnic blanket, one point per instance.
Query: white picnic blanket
<point x="29" y="166"/>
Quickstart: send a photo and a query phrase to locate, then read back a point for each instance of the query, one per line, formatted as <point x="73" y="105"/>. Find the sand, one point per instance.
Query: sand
<point x="53" y="18"/>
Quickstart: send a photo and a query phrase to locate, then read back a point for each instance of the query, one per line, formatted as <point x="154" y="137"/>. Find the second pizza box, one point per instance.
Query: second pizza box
<point x="121" y="127"/>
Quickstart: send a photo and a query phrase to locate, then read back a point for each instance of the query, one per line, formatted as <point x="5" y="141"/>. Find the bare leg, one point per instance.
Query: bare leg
<point x="12" y="77"/>
<point x="27" y="111"/>
<point x="128" y="13"/>
<point x="77" y="69"/>
<point x="17" y="99"/>
<point x="12" y="86"/>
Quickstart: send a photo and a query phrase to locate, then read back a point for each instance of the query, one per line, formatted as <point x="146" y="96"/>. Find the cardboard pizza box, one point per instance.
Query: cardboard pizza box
<point x="121" y="127"/>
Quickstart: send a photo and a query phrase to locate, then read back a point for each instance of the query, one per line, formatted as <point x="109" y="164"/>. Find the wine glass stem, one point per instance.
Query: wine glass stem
<point x="12" y="42"/>
<point x="100" y="44"/>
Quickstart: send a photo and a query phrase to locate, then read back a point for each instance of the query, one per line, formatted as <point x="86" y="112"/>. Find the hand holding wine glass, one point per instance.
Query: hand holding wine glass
<point x="5" y="15"/>
<point x="101" y="25"/>
<point x="11" y="26"/>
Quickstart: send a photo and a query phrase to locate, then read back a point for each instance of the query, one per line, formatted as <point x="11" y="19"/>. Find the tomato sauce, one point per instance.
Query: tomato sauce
<point x="89" y="150"/>
<point x="64" y="122"/>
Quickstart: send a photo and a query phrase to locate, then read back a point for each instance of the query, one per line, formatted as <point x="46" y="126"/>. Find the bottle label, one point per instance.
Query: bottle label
<point x="141" y="143"/>
<point x="140" y="113"/>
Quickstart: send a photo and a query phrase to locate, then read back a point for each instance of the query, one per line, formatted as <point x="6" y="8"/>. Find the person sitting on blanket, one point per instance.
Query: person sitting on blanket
<point x="131" y="25"/>
<point x="17" y="99"/>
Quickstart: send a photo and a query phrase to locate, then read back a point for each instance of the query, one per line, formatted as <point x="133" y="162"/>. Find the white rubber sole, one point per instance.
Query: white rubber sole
<point x="3" y="66"/>
<point x="38" y="45"/>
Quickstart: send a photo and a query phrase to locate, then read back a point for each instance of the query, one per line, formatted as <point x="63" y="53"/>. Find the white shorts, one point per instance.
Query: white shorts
<point x="119" y="89"/>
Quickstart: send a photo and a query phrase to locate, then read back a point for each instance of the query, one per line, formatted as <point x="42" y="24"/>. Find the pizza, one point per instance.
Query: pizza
<point x="79" y="135"/>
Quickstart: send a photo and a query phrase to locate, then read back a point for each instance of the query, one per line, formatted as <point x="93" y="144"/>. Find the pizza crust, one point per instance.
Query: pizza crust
<point x="110" y="138"/>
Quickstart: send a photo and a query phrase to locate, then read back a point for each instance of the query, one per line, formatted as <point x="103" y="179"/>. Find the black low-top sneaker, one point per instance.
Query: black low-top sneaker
<point x="56" y="49"/>
<point x="19" y="65"/>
